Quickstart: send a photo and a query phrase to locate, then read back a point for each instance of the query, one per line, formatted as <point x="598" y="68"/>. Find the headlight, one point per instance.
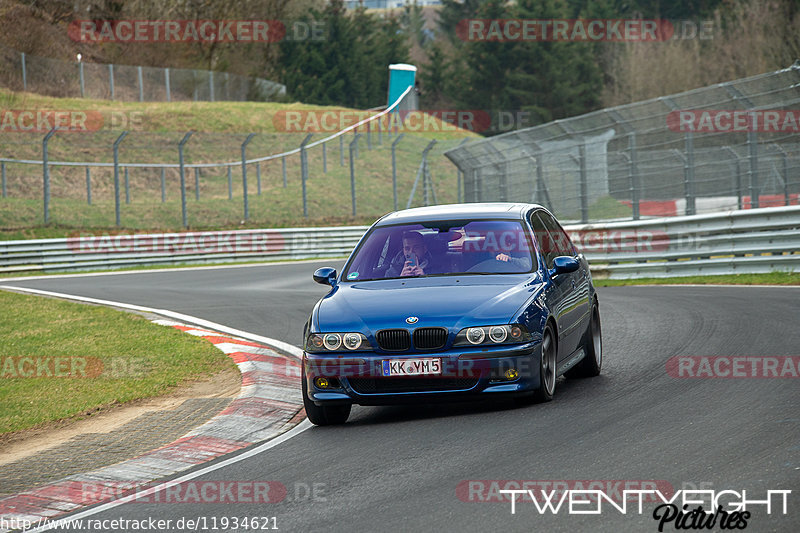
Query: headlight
<point x="490" y="335"/>
<point x="332" y="342"/>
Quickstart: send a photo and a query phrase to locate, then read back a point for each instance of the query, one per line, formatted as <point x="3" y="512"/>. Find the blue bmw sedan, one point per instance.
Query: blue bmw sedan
<point x="451" y="302"/>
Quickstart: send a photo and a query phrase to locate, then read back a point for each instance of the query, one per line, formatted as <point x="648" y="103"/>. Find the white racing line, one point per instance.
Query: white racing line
<point x="280" y="345"/>
<point x="63" y="522"/>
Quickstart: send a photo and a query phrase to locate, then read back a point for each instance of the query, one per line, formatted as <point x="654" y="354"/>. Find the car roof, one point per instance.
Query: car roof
<point x="475" y="211"/>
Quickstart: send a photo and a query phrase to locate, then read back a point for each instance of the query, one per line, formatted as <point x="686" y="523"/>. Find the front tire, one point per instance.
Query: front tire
<point x="324" y="415"/>
<point x="547" y="367"/>
<point x="590" y="365"/>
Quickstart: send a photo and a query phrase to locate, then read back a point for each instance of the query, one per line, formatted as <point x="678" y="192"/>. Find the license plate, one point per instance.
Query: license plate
<point x="428" y="366"/>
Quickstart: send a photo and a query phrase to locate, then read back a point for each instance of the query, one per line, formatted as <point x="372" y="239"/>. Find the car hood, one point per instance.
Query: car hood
<point x="452" y="302"/>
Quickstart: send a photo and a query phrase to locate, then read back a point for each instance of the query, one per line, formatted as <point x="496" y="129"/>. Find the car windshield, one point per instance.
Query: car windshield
<point x="443" y="248"/>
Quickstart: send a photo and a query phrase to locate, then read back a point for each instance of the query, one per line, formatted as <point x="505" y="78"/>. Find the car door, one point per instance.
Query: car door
<point x="575" y="286"/>
<point x="557" y="293"/>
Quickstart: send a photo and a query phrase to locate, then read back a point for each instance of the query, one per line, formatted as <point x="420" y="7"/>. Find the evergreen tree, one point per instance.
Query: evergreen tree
<point x="350" y="66"/>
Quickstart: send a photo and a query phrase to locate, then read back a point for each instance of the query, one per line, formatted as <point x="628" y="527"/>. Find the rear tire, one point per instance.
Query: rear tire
<point x="590" y="365"/>
<point x="324" y="415"/>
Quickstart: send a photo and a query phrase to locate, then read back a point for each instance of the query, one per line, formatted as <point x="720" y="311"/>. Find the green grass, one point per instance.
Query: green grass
<point x="220" y="128"/>
<point x="773" y="278"/>
<point x="119" y="358"/>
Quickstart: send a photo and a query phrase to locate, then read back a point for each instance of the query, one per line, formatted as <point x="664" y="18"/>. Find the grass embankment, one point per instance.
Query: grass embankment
<point x="63" y="360"/>
<point x="773" y="278"/>
<point x="220" y="128"/>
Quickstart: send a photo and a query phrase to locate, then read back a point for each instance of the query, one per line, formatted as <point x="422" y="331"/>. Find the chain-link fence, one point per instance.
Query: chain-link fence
<point x="733" y="145"/>
<point x="52" y="77"/>
<point x="155" y="180"/>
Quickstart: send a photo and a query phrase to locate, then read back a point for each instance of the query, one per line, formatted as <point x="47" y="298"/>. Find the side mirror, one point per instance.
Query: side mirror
<point x="325" y="276"/>
<point x="564" y="264"/>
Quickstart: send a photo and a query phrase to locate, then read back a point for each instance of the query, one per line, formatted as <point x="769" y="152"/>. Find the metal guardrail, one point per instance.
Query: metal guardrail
<point x="734" y="242"/>
<point x="747" y="241"/>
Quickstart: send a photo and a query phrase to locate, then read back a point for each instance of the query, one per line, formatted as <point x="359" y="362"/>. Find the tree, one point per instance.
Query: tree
<point x="349" y="66"/>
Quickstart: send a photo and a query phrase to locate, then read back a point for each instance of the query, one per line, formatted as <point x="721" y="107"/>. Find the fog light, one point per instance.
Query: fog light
<point x="511" y="374"/>
<point x="321" y="383"/>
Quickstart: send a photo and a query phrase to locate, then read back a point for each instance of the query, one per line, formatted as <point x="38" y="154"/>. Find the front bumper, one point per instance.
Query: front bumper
<point x="467" y="374"/>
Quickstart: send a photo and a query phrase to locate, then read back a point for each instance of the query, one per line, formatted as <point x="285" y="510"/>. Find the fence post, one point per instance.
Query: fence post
<point x="341" y="150"/>
<point x="689" y="175"/>
<point x="111" y="78"/>
<point x="127" y="188"/>
<point x="755" y="192"/>
<point x="583" y="187"/>
<point x="88" y="186"/>
<point x="634" y="176"/>
<point x="476" y="177"/>
<point x="230" y="184"/>
<point x="183" y="178"/>
<point x="3" y="173"/>
<point x="785" y="175"/>
<point x="197" y="183"/>
<point x="163" y="185"/>
<point x="211" y="87"/>
<point x="258" y="177"/>
<point x="380" y="133"/>
<point x="421" y="173"/>
<point x="394" y="169"/>
<point x="426" y="178"/>
<point x="283" y="169"/>
<point x="738" y="174"/>
<point x="304" y="170"/>
<point x="24" y="74"/>
<point x="460" y="177"/>
<point x="46" y="172"/>
<point x="244" y="174"/>
<point x="353" y="147"/>
<point x="116" y="175"/>
<point x="141" y="83"/>
<point x="166" y="84"/>
<point x="324" y="158"/>
<point x="369" y="135"/>
<point x="80" y="75"/>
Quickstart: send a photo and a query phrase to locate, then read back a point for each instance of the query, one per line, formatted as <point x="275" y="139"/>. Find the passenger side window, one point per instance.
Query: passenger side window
<point x="563" y="244"/>
<point x="545" y="240"/>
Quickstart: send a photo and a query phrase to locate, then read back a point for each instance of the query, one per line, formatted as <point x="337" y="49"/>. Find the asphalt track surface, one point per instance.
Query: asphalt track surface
<point x="397" y="468"/>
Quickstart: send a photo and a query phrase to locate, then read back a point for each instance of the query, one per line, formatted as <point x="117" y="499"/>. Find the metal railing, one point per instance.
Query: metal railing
<point x="752" y="241"/>
<point x="128" y="83"/>
<point x="727" y="146"/>
<point x="162" y="155"/>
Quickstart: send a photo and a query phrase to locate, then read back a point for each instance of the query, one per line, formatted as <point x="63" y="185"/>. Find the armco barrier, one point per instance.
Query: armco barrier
<point x="748" y="241"/>
<point x="733" y="242"/>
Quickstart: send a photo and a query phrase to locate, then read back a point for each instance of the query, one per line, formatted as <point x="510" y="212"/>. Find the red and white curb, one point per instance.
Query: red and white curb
<point x="269" y="404"/>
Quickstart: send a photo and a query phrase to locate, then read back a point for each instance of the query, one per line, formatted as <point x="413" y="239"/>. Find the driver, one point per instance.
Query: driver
<point x="414" y="259"/>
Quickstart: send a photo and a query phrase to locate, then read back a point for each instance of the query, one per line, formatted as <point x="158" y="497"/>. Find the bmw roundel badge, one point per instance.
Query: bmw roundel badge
<point x="412" y="320"/>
